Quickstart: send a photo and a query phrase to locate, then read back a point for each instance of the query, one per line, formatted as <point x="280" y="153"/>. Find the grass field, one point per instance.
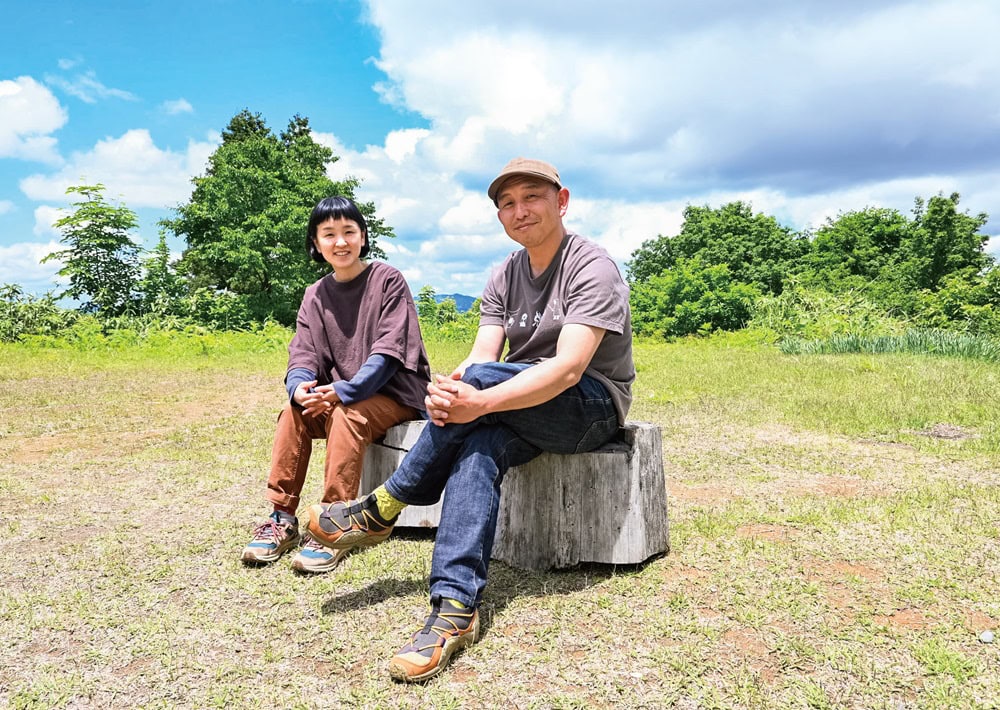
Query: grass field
<point x="835" y="543"/>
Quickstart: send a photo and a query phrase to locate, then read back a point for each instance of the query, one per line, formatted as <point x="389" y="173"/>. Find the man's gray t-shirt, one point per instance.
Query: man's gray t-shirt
<point x="582" y="285"/>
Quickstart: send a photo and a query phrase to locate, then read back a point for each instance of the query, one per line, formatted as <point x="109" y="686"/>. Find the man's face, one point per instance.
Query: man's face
<point x="531" y="210"/>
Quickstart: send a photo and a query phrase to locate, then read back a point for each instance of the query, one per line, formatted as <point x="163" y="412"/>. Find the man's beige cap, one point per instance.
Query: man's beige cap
<point x="524" y="167"/>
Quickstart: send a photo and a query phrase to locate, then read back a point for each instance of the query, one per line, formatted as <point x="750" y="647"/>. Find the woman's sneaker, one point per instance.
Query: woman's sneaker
<point x="272" y="538"/>
<point x="449" y="628"/>
<point x="314" y="557"/>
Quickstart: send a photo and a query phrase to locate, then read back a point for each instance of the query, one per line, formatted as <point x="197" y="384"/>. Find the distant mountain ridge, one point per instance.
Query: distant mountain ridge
<point x="462" y="302"/>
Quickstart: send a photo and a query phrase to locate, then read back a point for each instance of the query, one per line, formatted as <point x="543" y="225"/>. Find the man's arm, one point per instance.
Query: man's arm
<point x="487" y="347"/>
<point x="457" y="402"/>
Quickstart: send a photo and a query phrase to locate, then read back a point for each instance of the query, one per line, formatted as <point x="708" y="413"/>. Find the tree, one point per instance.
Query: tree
<point x="690" y="298"/>
<point x="427" y="306"/>
<point x="755" y="248"/>
<point x="855" y="249"/>
<point x="245" y="224"/>
<point x="942" y="241"/>
<point x="101" y="259"/>
<point x="160" y="288"/>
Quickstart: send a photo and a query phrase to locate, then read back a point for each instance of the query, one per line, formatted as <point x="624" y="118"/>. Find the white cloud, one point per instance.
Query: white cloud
<point x="28" y="114"/>
<point x="131" y="167"/>
<point x="803" y="110"/>
<point x="659" y="99"/>
<point x="172" y="108"/>
<point x="45" y="218"/>
<point x="21" y="263"/>
<point x="88" y="88"/>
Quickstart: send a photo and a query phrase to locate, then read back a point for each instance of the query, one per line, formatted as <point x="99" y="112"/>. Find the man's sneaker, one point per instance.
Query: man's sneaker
<point x="448" y="629"/>
<point x="272" y="538"/>
<point x="347" y="525"/>
<point x="314" y="557"/>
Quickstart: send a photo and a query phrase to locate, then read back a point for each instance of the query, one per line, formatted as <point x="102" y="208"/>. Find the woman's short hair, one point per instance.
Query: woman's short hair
<point x="334" y="207"/>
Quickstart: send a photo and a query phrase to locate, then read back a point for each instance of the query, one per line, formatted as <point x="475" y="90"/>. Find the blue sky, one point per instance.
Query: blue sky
<point x="802" y="109"/>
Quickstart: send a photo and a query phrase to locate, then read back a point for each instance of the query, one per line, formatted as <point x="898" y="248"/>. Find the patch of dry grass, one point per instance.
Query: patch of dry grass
<point x="847" y="561"/>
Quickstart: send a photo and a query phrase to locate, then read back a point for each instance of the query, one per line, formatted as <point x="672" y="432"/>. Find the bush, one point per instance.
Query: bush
<point x="816" y="313"/>
<point x="690" y="298"/>
<point x="22" y="315"/>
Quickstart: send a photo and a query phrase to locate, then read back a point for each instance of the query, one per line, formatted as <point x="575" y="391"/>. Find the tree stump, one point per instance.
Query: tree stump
<point x="607" y="505"/>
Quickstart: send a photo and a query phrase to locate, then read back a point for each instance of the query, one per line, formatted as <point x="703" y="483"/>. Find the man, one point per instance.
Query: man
<point x="565" y="387"/>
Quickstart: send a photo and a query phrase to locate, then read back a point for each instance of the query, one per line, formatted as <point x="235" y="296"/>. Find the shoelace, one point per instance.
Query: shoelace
<point x="312" y="544"/>
<point x="268" y="530"/>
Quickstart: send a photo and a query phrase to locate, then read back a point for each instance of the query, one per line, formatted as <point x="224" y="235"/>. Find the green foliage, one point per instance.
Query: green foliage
<point x="942" y="241"/>
<point x="160" y="288"/>
<point x="809" y="312"/>
<point x="690" y="298"/>
<point x="245" y="224"/>
<point x="22" y="314"/>
<point x="872" y="271"/>
<point x="855" y="249"/>
<point x="964" y="301"/>
<point x="101" y="259"/>
<point x="427" y="307"/>
<point x="754" y="247"/>
<point x="914" y="342"/>
<point x="443" y="321"/>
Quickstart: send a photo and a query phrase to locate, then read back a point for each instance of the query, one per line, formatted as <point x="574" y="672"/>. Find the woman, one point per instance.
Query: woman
<point x="356" y="367"/>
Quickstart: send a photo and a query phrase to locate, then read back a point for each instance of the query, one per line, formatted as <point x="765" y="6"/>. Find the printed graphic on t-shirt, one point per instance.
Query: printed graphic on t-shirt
<point x="556" y="307"/>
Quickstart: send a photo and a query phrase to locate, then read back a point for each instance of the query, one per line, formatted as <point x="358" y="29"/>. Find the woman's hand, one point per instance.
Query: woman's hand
<point x="318" y="401"/>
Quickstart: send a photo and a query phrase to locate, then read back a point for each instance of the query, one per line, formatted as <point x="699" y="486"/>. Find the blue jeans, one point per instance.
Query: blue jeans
<point x="467" y="463"/>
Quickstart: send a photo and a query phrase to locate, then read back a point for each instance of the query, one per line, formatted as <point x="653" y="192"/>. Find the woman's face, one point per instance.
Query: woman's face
<point x="340" y="242"/>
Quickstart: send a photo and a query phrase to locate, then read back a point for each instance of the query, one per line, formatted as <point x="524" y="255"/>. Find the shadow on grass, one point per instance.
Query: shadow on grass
<point x="505" y="583"/>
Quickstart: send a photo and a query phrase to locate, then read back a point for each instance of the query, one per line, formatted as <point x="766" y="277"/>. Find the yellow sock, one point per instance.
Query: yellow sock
<point x="388" y="507"/>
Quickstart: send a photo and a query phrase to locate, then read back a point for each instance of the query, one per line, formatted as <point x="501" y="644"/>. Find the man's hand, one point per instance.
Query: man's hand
<point x="319" y="401"/>
<point x="451" y="401"/>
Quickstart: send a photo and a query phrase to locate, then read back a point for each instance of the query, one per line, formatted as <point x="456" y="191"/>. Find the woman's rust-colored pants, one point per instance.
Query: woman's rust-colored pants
<point x="348" y="430"/>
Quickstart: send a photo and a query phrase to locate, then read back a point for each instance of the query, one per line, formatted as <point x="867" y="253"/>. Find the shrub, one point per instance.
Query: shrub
<point x="690" y="298"/>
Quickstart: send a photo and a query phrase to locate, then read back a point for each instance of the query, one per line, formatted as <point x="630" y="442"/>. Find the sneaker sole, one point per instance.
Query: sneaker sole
<point x="397" y="671"/>
<point x="346" y="540"/>
<point x="250" y="557"/>
<point x="301" y="564"/>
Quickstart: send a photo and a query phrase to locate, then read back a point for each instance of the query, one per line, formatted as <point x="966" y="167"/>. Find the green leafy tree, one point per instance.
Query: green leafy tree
<point x="160" y="288"/>
<point x="691" y="298"/>
<point x="651" y="259"/>
<point x="854" y="250"/>
<point x="245" y="224"/>
<point x="942" y="241"/>
<point x="447" y="311"/>
<point x="427" y="306"/>
<point x="754" y="247"/>
<point x="101" y="260"/>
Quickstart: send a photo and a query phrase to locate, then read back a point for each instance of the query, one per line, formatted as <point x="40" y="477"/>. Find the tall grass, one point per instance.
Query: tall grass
<point x="934" y="342"/>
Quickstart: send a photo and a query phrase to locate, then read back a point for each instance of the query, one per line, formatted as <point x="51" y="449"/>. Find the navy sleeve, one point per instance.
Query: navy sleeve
<point x="377" y="370"/>
<point x="295" y="377"/>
